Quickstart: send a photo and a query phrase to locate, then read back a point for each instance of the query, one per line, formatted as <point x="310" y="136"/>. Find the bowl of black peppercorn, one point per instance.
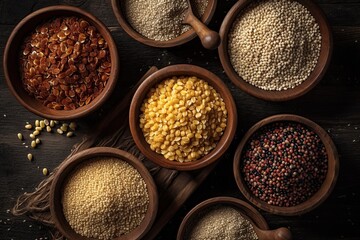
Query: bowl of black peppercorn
<point x="286" y="165"/>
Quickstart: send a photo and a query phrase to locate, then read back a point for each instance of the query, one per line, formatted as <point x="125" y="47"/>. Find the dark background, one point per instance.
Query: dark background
<point x="334" y="104"/>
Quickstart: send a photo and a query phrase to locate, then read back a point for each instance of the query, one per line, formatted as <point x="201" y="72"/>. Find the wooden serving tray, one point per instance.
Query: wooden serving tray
<point x="174" y="187"/>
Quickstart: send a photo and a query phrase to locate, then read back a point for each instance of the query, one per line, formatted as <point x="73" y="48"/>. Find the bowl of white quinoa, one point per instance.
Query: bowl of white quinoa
<point x="275" y="50"/>
<point x="160" y="23"/>
<point x="103" y="193"/>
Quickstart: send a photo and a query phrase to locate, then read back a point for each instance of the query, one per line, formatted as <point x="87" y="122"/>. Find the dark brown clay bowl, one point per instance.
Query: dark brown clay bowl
<point x="183" y="38"/>
<point x="182" y="70"/>
<point x="304" y="87"/>
<point x="317" y="198"/>
<point x="60" y="176"/>
<point x="12" y="67"/>
<point x="244" y="208"/>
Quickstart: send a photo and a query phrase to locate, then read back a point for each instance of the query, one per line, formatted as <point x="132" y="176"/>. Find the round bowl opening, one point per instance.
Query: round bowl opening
<point x="12" y="68"/>
<point x="182" y="70"/>
<point x="60" y="176"/>
<point x="284" y="95"/>
<point x="319" y="196"/>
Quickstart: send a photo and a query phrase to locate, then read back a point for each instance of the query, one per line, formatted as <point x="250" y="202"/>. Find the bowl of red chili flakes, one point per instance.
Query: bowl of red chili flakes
<point x="61" y="62"/>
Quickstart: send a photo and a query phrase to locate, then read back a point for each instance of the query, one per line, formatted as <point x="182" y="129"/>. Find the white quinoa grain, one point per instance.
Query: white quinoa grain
<point x="104" y="198"/>
<point x="160" y="20"/>
<point x="274" y="44"/>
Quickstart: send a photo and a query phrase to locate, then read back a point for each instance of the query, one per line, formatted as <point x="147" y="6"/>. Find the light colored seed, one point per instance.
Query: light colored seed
<point x="56" y="122"/>
<point x="20" y="136"/>
<point x="32" y="136"/>
<point x="45" y="171"/>
<point x="37" y="123"/>
<point x="33" y="144"/>
<point x="42" y="123"/>
<point x="38" y="141"/>
<point x="59" y="131"/>
<point x="38" y="129"/>
<point x="30" y="156"/>
<point x="28" y="126"/>
<point x="52" y="123"/>
<point x="48" y="128"/>
<point x="73" y="126"/>
<point x="70" y="134"/>
<point x="36" y="132"/>
<point x="46" y="122"/>
<point x="64" y="127"/>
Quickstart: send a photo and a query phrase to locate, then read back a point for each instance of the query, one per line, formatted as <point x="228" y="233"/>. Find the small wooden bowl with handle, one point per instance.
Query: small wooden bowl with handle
<point x="60" y="176"/>
<point x="246" y="210"/>
<point x="12" y="58"/>
<point x="182" y="70"/>
<point x="317" y="198"/>
<point x="209" y="39"/>
<point x="284" y="95"/>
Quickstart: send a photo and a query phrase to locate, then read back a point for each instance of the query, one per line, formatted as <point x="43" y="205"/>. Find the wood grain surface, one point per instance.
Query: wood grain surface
<point x="334" y="104"/>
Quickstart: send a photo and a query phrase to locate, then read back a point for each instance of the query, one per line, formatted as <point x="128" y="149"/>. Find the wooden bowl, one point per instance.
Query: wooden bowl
<point x="60" y="176"/>
<point x="243" y="207"/>
<point x="182" y="70"/>
<point x="12" y="68"/>
<point x="183" y="38"/>
<point x="284" y="95"/>
<point x="318" y="197"/>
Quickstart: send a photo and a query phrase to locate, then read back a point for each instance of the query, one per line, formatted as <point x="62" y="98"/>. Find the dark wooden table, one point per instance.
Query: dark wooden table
<point x="334" y="104"/>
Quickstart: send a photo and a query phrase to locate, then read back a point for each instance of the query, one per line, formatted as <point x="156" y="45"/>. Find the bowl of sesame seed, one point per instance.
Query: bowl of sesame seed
<point x="275" y="50"/>
<point x="103" y="193"/>
<point x="286" y="164"/>
<point x="160" y="23"/>
<point x="61" y="62"/>
<point x="183" y="117"/>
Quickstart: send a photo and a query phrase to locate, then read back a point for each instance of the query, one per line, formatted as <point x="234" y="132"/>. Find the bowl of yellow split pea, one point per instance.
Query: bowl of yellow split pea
<point x="183" y="117"/>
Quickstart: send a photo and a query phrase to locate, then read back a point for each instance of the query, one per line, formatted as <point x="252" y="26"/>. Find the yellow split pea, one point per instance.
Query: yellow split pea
<point x="183" y="118"/>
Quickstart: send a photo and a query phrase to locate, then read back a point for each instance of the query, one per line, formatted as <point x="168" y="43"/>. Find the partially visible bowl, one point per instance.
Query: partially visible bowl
<point x="12" y="66"/>
<point x="244" y="208"/>
<point x="60" y="177"/>
<point x="183" y="70"/>
<point x="182" y="39"/>
<point x="319" y="196"/>
<point x="283" y="95"/>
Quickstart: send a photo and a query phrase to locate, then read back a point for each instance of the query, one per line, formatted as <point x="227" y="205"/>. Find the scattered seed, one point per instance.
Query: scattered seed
<point x="48" y="128"/>
<point x="45" y="171"/>
<point x="70" y="134"/>
<point x="56" y="122"/>
<point x="38" y="129"/>
<point x="37" y="123"/>
<point x="33" y="144"/>
<point x="32" y="136"/>
<point x="46" y="122"/>
<point x="38" y="141"/>
<point x="30" y="156"/>
<point x="28" y="126"/>
<point x="60" y="131"/>
<point x="73" y="126"/>
<point x="52" y="123"/>
<point x="64" y="127"/>
<point x="42" y="124"/>
<point x="36" y="132"/>
<point x="20" y="136"/>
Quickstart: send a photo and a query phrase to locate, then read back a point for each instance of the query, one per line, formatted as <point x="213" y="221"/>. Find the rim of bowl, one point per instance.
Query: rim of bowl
<point x="243" y="207"/>
<point x="183" y="70"/>
<point x="183" y="38"/>
<point x="56" y="190"/>
<point x="317" y="198"/>
<point x="12" y="49"/>
<point x="316" y="75"/>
